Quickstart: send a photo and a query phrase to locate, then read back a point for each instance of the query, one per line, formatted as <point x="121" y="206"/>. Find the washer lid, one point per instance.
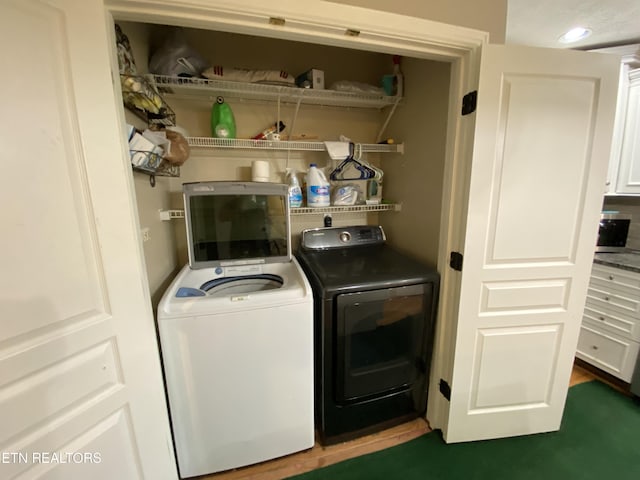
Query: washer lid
<point x="237" y="223"/>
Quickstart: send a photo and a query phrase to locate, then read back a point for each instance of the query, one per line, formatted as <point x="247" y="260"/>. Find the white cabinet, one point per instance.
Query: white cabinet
<point x="629" y="171"/>
<point x="610" y="333"/>
<point x="623" y="177"/>
<point x="611" y="353"/>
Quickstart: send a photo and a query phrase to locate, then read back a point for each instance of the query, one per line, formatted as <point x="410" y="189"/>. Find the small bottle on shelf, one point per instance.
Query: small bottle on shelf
<point x="295" y="191"/>
<point x="393" y="84"/>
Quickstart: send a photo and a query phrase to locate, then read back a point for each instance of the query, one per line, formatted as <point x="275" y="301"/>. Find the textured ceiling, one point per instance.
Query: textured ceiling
<point x="541" y="22"/>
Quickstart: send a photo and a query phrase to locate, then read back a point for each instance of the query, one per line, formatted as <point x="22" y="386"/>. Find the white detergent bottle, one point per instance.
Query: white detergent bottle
<point x="317" y="188"/>
<point x="295" y="191"/>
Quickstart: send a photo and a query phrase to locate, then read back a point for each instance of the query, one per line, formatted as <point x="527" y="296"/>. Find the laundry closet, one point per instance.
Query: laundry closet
<point x="487" y="141"/>
<point x="413" y="162"/>
<point x="474" y="190"/>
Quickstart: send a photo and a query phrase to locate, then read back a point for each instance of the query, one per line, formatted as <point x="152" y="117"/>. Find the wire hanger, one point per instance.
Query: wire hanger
<point x="366" y="172"/>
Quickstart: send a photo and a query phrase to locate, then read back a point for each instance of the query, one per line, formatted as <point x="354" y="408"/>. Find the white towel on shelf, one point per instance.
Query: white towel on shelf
<point x="337" y="150"/>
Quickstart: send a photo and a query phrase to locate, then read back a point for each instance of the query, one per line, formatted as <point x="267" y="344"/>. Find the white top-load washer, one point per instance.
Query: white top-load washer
<point x="236" y="332"/>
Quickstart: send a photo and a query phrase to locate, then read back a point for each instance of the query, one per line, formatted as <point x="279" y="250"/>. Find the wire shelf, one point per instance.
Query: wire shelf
<point x="383" y="207"/>
<point x="165" y="169"/>
<point x="212" y="88"/>
<point x="153" y="165"/>
<point x="236" y="143"/>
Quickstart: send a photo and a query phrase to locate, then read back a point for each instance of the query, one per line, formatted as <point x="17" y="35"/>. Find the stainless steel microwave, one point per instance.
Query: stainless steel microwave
<point x="613" y="232"/>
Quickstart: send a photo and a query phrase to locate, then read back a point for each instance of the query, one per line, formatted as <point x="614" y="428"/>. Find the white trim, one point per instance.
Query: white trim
<point x="456" y="178"/>
<point x="153" y="465"/>
<point x="630" y="54"/>
<point x="310" y="21"/>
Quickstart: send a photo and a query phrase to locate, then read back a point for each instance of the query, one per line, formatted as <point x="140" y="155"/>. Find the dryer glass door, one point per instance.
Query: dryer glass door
<point x="380" y="340"/>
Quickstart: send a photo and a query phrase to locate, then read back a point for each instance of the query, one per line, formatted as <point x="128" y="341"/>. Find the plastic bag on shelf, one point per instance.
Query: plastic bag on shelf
<point x="271" y="77"/>
<point x="176" y="58"/>
<point x="356" y="87"/>
<point x="346" y="195"/>
<point x="178" y="150"/>
<point x="175" y="148"/>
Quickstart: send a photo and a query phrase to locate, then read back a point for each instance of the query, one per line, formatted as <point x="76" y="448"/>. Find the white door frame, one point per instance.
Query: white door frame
<point x="81" y="386"/>
<point x="380" y="32"/>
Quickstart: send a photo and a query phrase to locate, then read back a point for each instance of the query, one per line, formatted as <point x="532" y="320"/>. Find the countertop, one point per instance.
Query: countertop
<point x="626" y="261"/>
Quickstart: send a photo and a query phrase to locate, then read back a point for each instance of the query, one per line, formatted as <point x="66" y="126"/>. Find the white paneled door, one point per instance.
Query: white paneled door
<point x="543" y="131"/>
<point x="81" y="393"/>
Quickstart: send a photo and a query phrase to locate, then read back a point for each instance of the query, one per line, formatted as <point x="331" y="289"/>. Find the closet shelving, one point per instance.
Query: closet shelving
<point x="180" y="87"/>
<point x="154" y="165"/>
<point x="207" y="88"/>
<point x="141" y="98"/>
<point x="234" y="143"/>
<point x="202" y="87"/>
<point x="383" y="207"/>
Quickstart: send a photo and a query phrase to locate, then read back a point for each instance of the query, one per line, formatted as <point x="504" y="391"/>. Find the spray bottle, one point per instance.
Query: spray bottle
<point x="295" y="190"/>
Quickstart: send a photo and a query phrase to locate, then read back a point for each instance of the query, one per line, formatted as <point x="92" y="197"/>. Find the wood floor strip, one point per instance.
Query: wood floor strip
<point x="320" y="456"/>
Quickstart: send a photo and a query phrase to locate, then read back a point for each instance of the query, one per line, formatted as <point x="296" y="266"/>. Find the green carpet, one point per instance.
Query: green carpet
<point x="599" y="439"/>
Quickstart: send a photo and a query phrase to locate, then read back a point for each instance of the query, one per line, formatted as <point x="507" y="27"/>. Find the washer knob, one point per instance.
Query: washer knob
<point x="345" y="237"/>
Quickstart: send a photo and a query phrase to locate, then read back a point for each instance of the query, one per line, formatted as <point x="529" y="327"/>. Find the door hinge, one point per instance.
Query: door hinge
<point x="469" y="102"/>
<point x="455" y="261"/>
<point x="445" y="389"/>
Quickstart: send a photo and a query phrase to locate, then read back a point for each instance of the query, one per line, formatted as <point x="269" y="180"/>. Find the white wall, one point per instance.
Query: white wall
<point x="415" y="178"/>
<point x="486" y="15"/>
<point x="160" y="252"/>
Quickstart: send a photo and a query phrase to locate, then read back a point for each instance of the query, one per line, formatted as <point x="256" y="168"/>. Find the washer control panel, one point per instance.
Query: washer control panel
<point x="341" y="237"/>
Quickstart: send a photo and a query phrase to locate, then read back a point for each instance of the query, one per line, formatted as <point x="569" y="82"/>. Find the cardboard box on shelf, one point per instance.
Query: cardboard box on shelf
<point x="312" y="78"/>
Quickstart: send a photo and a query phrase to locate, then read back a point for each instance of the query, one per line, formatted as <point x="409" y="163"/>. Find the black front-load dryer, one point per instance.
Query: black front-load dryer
<point x="374" y="314"/>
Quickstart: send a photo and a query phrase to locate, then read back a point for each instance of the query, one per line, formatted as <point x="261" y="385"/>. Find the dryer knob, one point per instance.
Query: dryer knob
<point x="345" y="237"/>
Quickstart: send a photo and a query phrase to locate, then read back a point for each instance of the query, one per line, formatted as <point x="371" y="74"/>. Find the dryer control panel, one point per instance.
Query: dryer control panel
<point x="342" y="237"/>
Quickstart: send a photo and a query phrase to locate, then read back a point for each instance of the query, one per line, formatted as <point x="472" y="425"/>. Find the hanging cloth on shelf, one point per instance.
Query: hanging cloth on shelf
<point x="337" y="150"/>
